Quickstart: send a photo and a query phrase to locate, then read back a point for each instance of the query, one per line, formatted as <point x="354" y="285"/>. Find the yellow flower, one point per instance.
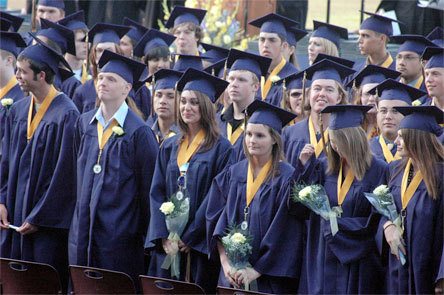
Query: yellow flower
<point x="6" y="102"/>
<point x="167" y="208"/>
<point x="238" y="238"/>
<point x="305" y="192"/>
<point x="207" y="40"/>
<point x="244" y="44"/>
<point x="227" y="39"/>
<point x="118" y="130"/>
<point x="416" y="103"/>
<point x="219" y="24"/>
<point x="381" y="190"/>
<point x="275" y="78"/>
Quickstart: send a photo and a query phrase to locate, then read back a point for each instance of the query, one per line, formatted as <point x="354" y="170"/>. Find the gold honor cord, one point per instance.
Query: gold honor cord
<point x="343" y="188"/>
<point x="253" y="185"/>
<point x="233" y="137"/>
<point x="266" y="85"/>
<point x="186" y="152"/>
<point x="318" y="145"/>
<point x="387" y="153"/>
<point x="33" y="123"/>
<point x="408" y="191"/>
<point x="11" y="83"/>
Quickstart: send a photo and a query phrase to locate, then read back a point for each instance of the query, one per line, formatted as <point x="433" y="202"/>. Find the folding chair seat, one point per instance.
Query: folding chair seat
<point x="155" y="285"/>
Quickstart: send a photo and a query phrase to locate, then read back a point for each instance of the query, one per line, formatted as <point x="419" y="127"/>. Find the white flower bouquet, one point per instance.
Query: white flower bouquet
<point x="382" y="200"/>
<point x="315" y="198"/>
<point x="176" y="212"/>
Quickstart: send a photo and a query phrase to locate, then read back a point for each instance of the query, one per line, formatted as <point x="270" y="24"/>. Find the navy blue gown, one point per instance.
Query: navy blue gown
<point x="142" y="98"/>
<point x="274" y="96"/>
<point x="376" y="148"/>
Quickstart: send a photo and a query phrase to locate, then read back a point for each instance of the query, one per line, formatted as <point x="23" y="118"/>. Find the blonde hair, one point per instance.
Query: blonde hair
<point x="207" y="121"/>
<point x="342" y="93"/>
<point x="330" y="48"/>
<point x="353" y="144"/>
<point x="276" y="152"/>
<point x="426" y="151"/>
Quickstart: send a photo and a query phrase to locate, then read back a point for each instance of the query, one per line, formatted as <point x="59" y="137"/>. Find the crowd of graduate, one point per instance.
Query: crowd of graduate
<point x="100" y="126"/>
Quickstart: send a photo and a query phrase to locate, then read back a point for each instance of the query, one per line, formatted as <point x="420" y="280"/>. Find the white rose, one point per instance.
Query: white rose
<point x="275" y="78"/>
<point x="118" y="130"/>
<point x="416" y="103"/>
<point x="305" y="192"/>
<point x="238" y="238"/>
<point x="6" y="102"/>
<point x="227" y="39"/>
<point x="167" y="208"/>
<point x="381" y="190"/>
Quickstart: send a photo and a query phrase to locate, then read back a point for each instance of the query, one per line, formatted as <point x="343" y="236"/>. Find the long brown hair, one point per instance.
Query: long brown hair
<point x="207" y="121"/>
<point x="356" y="96"/>
<point x="277" y="153"/>
<point x="426" y="151"/>
<point x="92" y="59"/>
<point x="354" y="146"/>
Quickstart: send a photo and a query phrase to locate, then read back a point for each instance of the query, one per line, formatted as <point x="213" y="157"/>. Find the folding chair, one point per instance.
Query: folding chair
<point x="231" y="291"/>
<point x="25" y="277"/>
<point x="89" y="280"/>
<point x="155" y="285"/>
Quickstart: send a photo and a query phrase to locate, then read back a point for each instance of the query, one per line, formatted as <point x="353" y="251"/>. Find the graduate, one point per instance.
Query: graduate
<point x="325" y="39"/>
<point x="102" y="37"/>
<point x="257" y="190"/>
<point x="189" y="161"/>
<point x="76" y="23"/>
<point x="115" y="156"/>
<point x="361" y="83"/>
<point x="15" y="21"/>
<point x="434" y="75"/>
<point x="213" y="54"/>
<point x="437" y="36"/>
<point x="272" y="41"/>
<point x="132" y="37"/>
<point x="245" y="72"/>
<point x="326" y="89"/>
<point x="184" y="23"/>
<point x="416" y="185"/>
<point x="52" y="10"/>
<point x="220" y="70"/>
<point x="37" y="188"/>
<point x="292" y="95"/>
<point x="391" y="94"/>
<point x="164" y="100"/>
<point x="293" y="37"/>
<point x="153" y="49"/>
<point x="374" y="35"/>
<point x="348" y="262"/>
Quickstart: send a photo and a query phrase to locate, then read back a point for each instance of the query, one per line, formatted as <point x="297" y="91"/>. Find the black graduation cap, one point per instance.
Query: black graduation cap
<point x="393" y="90"/>
<point x="102" y="33"/>
<point x="75" y="21"/>
<point x="345" y="116"/>
<point x="203" y="82"/>
<point x="328" y="69"/>
<point x="378" y="23"/>
<point x="16" y="21"/>
<point x="5" y="25"/>
<point x="261" y="112"/>
<point x="414" y="43"/>
<point x="59" y="34"/>
<point x="330" y="32"/>
<point x="127" y="68"/>
<point x="9" y="41"/>
<point x="181" y="14"/>
<point x="214" y="53"/>
<point x="274" y="23"/>
<point x="372" y="74"/>
<point x="241" y="60"/>
<point x="425" y="118"/>
<point x="339" y="60"/>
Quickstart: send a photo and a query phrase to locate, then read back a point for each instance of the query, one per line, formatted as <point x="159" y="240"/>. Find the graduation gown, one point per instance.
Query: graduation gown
<point x="423" y="236"/>
<point x="347" y="263"/>
<point x="37" y="183"/>
<point x="238" y="149"/>
<point x="274" y="96"/>
<point x="203" y="168"/>
<point x="277" y="236"/>
<point x="376" y="148"/>
<point x="68" y="86"/>
<point x="112" y="209"/>
<point x="142" y="98"/>
<point x="85" y="97"/>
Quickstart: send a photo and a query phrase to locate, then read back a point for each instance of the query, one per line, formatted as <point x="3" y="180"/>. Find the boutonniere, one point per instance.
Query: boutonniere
<point x="118" y="131"/>
<point x="275" y="78"/>
<point x="416" y="103"/>
<point x="7" y="102"/>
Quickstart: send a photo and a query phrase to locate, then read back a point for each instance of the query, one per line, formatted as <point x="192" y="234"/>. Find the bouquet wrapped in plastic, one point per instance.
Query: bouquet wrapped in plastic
<point x="176" y="212"/>
<point x="315" y="198"/>
<point x="382" y="200"/>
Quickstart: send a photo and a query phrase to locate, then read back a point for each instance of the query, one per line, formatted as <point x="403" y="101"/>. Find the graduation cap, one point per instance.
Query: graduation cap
<point x="15" y="21"/>
<point x="294" y="35"/>
<point x="102" y="33"/>
<point x="44" y="54"/>
<point x="137" y="30"/>
<point x="330" y="32"/>
<point x="129" y="69"/>
<point x="436" y="36"/>
<point x="294" y="81"/>
<point x="152" y="39"/>
<point x="241" y="60"/>
<point x="342" y="61"/>
<point x="345" y="116"/>
<point x="372" y="74"/>
<point x="378" y="23"/>
<point x="165" y="79"/>
<point x="181" y="14"/>
<point x="328" y="69"/>
<point x="214" y="53"/>
<point x="261" y="112"/>
<point x="75" y="21"/>
<point x="434" y="57"/>
<point x="9" y="41"/>
<point x="59" y="34"/>
<point x="414" y="43"/>
<point x="425" y="118"/>
<point x="274" y="23"/>
<point x="5" y="25"/>
<point x="185" y="61"/>
<point x="393" y="90"/>
<point x="203" y="82"/>
<point x="53" y="3"/>
<point x="217" y="69"/>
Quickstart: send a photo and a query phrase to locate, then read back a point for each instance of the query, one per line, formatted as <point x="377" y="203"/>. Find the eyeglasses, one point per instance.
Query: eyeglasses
<point x="406" y="57"/>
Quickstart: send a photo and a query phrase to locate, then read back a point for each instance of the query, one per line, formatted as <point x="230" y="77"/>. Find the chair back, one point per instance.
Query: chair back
<point x="231" y="291"/>
<point x="155" y="285"/>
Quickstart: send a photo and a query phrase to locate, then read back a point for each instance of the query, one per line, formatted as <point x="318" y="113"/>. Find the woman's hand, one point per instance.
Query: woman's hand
<point x="4" y="223"/>
<point x="169" y="246"/>
<point x="306" y="153"/>
<point x="229" y="273"/>
<point x="246" y="275"/>
<point x="27" y="228"/>
<point x="393" y="237"/>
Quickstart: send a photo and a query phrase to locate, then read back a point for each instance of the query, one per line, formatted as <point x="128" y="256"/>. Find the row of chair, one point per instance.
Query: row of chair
<point x="24" y="277"/>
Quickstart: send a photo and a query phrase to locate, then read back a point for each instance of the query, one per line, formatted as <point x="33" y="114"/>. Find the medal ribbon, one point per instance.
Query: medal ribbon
<point x="85" y="74"/>
<point x="186" y="152"/>
<point x="33" y="123"/>
<point x="387" y="62"/>
<point x="419" y="82"/>
<point x="343" y="188"/>
<point x="233" y="137"/>
<point x="253" y="185"/>
<point x="387" y="153"/>
<point x="372" y="133"/>
<point x="407" y="192"/>
<point x="11" y="83"/>
<point x="317" y="144"/>
<point x="103" y="137"/>
<point x="266" y="85"/>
